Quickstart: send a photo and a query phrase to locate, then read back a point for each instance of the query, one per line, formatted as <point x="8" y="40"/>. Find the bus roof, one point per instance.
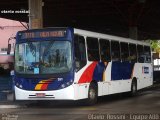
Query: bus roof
<point x="106" y="36"/>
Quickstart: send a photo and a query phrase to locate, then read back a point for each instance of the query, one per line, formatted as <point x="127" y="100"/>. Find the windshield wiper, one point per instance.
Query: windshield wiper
<point x="32" y="48"/>
<point x="48" y="48"/>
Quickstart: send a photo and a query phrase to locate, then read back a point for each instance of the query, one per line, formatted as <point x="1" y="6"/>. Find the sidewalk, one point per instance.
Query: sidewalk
<point x="155" y="85"/>
<point x="12" y="104"/>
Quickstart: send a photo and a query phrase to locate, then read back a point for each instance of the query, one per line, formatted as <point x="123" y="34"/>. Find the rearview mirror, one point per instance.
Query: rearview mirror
<point x="77" y="66"/>
<point x="9" y="49"/>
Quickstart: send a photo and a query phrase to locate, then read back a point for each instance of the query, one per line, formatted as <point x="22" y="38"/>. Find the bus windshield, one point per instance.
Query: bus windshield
<point x="43" y="57"/>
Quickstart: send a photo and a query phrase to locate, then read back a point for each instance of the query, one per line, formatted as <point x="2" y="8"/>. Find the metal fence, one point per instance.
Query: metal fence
<point x="5" y="87"/>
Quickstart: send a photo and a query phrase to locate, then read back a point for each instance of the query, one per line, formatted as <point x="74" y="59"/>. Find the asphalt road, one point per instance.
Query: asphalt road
<point x="145" y="106"/>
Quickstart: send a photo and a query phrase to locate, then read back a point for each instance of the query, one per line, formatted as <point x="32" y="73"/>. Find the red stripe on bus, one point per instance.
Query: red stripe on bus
<point x="44" y="86"/>
<point x="88" y="74"/>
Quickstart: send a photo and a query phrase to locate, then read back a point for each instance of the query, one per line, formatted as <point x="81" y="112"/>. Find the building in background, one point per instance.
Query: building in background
<point x="8" y="29"/>
<point x="156" y="66"/>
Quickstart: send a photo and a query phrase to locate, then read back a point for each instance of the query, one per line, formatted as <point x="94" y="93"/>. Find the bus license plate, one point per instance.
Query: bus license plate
<point x="40" y="94"/>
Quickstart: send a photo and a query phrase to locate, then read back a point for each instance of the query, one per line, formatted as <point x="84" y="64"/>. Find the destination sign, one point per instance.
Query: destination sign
<point x="42" y="34"/>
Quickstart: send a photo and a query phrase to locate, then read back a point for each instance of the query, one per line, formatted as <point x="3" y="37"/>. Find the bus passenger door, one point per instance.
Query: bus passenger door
<point x="107" y="79"/>
<point x="105" y="88"/>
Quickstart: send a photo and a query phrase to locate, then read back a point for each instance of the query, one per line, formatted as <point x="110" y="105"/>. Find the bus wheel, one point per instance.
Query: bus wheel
<point x="92" y="94"/>
<point x="134" y="88"/>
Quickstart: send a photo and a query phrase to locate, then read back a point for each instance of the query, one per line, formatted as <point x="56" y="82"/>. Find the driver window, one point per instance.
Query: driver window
<point x="80" y="51"/>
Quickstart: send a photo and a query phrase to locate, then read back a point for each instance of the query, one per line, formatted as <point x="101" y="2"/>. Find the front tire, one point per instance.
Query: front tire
<point x="92" y="94"/>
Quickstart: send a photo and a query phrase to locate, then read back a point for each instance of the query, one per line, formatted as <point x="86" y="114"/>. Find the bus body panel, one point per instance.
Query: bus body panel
<point x="144" y="74"/>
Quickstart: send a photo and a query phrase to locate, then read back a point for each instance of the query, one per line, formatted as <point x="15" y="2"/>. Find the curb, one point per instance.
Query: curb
<point x="10" y="106"/>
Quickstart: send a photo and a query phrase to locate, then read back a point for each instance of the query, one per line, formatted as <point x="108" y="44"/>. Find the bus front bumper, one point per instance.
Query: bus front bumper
<point x="62" y="94"/>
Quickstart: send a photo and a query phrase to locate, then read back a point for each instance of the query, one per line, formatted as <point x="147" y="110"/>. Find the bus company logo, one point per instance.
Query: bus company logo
<point x="145" y="70"/>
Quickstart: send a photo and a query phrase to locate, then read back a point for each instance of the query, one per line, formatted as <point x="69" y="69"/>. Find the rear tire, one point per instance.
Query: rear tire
<point x="133" y="88"/>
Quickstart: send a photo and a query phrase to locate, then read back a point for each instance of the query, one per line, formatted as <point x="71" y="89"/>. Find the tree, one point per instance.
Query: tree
<point x="155" y="45"/>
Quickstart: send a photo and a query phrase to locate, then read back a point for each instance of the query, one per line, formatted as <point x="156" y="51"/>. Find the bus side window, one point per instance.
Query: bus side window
<point x="124" y="51"/>
<point x="105" y="50"/>
<point x="133" y="53"/>
<point x="147" y="53"/>
<point x="115" y="50"/>
<point x="80" y="52"/>
<point x="93" y="49"/>
<point x="140" y="53"/>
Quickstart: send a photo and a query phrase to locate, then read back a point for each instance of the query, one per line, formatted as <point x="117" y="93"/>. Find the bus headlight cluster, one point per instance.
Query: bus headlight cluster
<point x="19" y="85"/>
<point x="67" y="84"/>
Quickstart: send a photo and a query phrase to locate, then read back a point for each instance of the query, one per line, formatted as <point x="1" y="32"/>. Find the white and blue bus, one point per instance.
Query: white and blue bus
<point x="74" y="64"/>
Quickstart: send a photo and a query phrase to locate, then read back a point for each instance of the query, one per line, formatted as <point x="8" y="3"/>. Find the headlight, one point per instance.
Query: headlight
<point x="17" y="84"/>
<point x="20" y="86"/>
<point x="63" y="85"/>
<point x="68" y="83"/>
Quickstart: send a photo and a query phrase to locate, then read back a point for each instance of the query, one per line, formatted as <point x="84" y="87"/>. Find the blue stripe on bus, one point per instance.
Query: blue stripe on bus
<point x="121" y="70"/>
<point x="98" y="72"/>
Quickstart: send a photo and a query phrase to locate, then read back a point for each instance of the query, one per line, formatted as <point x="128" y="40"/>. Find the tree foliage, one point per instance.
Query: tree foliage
<point x="155" y="45"/>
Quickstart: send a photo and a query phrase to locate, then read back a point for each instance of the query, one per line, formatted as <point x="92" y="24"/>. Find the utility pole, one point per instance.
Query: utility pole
<point x="35" y="14"/>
